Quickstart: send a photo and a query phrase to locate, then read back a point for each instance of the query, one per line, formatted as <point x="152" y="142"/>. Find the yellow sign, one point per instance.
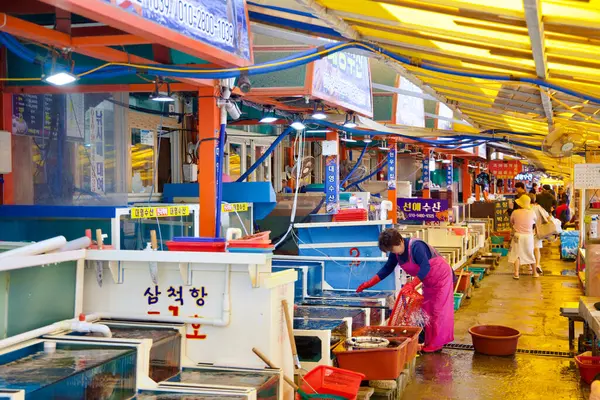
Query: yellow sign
<point x="587" y="219"/>
<point x="159" y="212"/>
<point x="231" y="207"/>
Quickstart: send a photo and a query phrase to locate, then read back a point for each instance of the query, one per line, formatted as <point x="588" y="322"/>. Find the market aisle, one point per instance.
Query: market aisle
<point x="529" y="305"/>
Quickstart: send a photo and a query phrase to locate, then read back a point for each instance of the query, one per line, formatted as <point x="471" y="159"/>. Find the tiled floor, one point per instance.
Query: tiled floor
<point x="529" y="305"/>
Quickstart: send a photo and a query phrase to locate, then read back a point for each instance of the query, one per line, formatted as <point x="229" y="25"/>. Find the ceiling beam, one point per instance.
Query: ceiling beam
<point x="535" y="26"/>
<point x="340" y="26"/>
<point x="39" y="34"/>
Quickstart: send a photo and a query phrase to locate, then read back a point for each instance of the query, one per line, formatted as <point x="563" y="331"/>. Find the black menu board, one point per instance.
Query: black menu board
<point x="501" y="218"/>
<point x="38" y="114"/>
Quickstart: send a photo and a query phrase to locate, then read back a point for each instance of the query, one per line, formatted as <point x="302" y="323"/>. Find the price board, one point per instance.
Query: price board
<point x="501" y="218"/>
<point x="234" y="207"/>
<point x="159" y="212"/>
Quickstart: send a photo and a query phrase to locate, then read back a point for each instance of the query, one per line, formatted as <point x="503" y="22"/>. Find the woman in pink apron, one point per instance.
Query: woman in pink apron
<point x="424" y="264"/>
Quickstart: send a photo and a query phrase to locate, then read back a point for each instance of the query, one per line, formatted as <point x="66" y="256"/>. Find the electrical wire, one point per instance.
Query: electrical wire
<point x="305" y="58"/>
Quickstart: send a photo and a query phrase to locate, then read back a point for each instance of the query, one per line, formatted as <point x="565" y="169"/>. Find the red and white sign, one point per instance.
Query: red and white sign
<point x="502" y="169"/>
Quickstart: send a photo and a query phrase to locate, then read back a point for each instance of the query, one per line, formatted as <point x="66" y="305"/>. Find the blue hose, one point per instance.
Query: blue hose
<point x="362" y="154"/>
<point x="262" y="158"/>
<point x="219" y="183"/>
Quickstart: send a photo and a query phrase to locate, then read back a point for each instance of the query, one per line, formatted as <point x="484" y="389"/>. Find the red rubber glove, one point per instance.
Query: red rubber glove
<point x="371" y="282"/>
<point x="410" y="286"/>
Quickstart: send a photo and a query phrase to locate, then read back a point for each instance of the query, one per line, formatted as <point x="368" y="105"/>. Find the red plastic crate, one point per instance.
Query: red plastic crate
<point x="216" y="247"/>
<point x="382" y="363"/>
<point x="250" y="245"/>
<point x="395" y="332"/>
<point x="589" y="367"/>
<point x="351" y="214"/>
<point x="262" y="237"/>
<point x="330" y="380"/>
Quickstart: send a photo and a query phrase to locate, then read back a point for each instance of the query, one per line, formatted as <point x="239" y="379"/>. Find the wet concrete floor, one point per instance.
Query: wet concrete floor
<point x="529" y="305"/>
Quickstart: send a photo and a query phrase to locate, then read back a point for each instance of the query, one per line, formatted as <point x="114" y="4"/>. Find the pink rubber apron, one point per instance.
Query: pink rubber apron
<point x="438" y="303"/>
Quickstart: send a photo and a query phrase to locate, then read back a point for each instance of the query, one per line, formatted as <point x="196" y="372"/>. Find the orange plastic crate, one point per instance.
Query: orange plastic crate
<point x="376" y="364"/>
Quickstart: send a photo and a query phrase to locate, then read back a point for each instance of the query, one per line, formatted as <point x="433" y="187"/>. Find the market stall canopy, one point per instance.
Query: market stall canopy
<point x="554" y="40"/>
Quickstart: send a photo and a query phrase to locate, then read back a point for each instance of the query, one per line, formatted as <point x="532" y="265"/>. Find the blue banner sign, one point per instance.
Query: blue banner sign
<point x="424" y="210"/>
<point x="449" y="175"/>
<point x="344" y="79"/>
<point x="426" y="173"/>
<point x="392" y="167"/>
<point x="332" y="185"/>
<point x="222" y="24"/>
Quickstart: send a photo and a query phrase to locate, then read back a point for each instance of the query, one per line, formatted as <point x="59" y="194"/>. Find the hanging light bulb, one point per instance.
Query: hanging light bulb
<point x="162" y="96"/>
<point x="383" y="146"/>
<point x="348" y="139"/>
<point x="297" y="124"/>
<point x="350" y="121"/>
<point x="367" y="139"/>
<point x="319" y="114"/>
<point x="268" y="116"/>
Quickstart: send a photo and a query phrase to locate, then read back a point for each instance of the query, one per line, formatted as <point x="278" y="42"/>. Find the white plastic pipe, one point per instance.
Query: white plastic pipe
<point x="87" y="327"/>
<point x="82" y="243"/>
<point x="44" y="246"/>
<point x="44" y="330"/>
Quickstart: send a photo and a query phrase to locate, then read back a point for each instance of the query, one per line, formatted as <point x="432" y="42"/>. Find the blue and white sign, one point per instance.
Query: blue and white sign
<point x="344" y="79"/>
<point x="426" y="173"/>
<point x="332" y="184"/>
<point x="219" y="23"/>
<point x="449" y="175"/>
<point x="392" y="167"/>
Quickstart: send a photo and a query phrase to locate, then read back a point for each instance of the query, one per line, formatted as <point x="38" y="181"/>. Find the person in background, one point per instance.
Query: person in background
<point x="547" y="200"/>
<point x="285" y="188"/>
<point x="540" y="215"/>
<point x="562" y="196"/>
<point x="534" y="188"/>
<point x="519" y="191"/>
<point x="522" y="243"/>
<point x="426" y="265"/>
<point x="562" y="212"/>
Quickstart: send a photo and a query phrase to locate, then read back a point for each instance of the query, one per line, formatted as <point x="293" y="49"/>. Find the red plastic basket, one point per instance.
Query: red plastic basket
<point x="351" y="214"/>
<point x="330" y="380"/>
<point x="216" y="247"/>
<point x="404" y="308"/>
<point x="589" y="367"/>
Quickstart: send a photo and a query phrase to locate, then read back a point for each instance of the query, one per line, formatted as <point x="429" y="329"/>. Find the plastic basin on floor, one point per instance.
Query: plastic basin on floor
<point x="457" y="300"/>
<point x="393" y="332"/>
<point x="465" y="281"/>
<point x="589" y="367"/>
<point x="385" y="363"/>
<point x="495" y="340"/>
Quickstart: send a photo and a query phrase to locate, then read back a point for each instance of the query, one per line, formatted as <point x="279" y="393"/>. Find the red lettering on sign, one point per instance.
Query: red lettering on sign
<point x="354" y="252"/>
<point x="174" y="310"/>
<point x="196" y="330"/>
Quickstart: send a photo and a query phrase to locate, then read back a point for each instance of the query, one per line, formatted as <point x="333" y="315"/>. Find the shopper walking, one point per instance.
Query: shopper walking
<point x="538" y="244"/>
<point x="534" y="188"/>
<point x="522" y="243"/>
<point x="547" y="200"/>
<point x="426" y="265"/>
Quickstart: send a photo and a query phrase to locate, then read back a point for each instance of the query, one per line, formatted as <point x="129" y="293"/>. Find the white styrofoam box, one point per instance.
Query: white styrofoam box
<point x="190" y="172"/>
<point x="5" y="152"/>
<point x="403" y="189"/>
<point x="257" y="318"/>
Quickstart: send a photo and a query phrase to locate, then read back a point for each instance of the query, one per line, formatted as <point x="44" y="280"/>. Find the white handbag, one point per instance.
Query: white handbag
<point x="547" y="228"/>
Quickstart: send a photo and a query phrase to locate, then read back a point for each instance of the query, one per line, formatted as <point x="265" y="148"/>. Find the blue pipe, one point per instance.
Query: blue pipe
<point x="220" y="160"/>
<point x="362" y="153"/>
<point x="262" y="158"/>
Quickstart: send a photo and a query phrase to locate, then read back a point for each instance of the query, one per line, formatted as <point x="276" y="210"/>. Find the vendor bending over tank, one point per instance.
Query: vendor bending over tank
<point x="424" y="264"/>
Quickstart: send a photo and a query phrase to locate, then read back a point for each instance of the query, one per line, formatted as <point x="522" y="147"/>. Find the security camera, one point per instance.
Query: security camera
<point x="244" y="83"/>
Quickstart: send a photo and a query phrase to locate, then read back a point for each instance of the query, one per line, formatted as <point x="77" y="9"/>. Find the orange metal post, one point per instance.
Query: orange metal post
<point x="208" y="134"/>
<point x="477" y="187"/>
<point x="466" y="181"/>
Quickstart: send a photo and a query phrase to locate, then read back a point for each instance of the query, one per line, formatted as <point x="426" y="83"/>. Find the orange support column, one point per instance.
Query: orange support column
<point x="477" y="187"/>
<point x="466" y="181"/>
<point x="208" y="135"/>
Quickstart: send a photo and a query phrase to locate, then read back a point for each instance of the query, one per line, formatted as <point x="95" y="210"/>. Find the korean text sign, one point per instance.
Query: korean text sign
<point x="221" y="24"/>
<point x="344" y="79"/>
<point x="425" y="210"/>
<point x="332" y="185"/>
<point x="505" y="169"/>
<point x="392" y="167"/>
